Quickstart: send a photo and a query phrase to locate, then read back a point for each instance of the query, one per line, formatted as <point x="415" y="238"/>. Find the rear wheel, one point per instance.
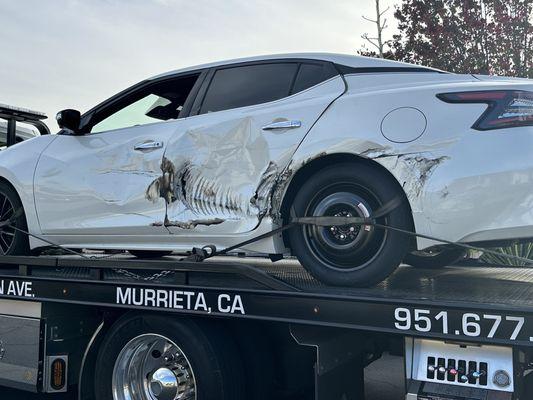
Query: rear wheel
<point x="435" y="259"/>
<point x="149" y="253"/>
<point x="12" y="241"/>
<point x="349" y="255"/>
<point x="152" y="358"/>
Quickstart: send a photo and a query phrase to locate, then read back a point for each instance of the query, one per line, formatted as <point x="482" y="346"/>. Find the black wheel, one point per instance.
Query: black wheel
<point x="12" y="242"/>
<point x="435" y="259"/>
<point x="148" y="357"/>
<point x="349" y="255"/>
<point x="149" y="253"/>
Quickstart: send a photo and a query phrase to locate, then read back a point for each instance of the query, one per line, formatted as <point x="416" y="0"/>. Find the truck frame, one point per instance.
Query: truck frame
<point x="69" y="303"/>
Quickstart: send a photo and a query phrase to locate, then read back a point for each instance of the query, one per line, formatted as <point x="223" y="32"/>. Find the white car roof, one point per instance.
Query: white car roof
<point x="343" y="59"/>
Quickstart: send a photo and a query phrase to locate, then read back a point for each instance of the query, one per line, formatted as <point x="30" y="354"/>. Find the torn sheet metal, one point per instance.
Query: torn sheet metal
<point x="225" y="174"/>
<point x="224" y="166"/>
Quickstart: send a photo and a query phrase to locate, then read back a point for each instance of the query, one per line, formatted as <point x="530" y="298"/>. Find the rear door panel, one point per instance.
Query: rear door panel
<point x="224" y="164"/>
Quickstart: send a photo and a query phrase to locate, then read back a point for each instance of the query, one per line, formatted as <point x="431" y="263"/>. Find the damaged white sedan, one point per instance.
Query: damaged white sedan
<point x="221" y="153"/>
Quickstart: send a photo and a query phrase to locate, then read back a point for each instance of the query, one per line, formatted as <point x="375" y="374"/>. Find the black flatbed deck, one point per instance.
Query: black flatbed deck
<point x="456" y="300"/>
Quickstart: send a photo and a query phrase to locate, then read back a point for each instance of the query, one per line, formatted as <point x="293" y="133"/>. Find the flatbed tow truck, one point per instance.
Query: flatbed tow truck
<point x="268" y="327"/>
<point x="465" y="332"/>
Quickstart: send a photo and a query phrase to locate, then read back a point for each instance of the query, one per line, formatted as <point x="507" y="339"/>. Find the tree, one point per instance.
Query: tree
<point x="377" y="41"/>
<point x="467" y="36"/>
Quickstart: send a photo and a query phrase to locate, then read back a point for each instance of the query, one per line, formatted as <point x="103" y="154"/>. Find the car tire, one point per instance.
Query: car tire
<point x="149" y="253"/>
<point x="349" y="255"/>
<point x="445" y="257"/>
<point x="203" y="359"/>
<point x="12" y="241"/>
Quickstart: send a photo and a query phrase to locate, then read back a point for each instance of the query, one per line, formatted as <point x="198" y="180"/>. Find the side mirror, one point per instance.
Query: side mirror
<point x="69" y="119"/>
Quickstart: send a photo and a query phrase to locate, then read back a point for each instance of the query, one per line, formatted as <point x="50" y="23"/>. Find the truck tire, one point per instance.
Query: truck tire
<point x="153" y="357"/>
<point x="12" y="242"/>
<point x="442" y="258"/>
<point x="349" y="255"/>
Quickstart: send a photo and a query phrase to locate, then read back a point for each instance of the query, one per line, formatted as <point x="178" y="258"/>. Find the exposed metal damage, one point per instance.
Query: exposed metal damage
<point x="205" y="197"/>
<point x="423" y="167"/>
<point x="190" y="224"/>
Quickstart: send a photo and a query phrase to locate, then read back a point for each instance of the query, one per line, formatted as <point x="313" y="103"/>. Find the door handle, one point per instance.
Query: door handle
<point x="150" y="145"/>
<point x="282" y="125"/>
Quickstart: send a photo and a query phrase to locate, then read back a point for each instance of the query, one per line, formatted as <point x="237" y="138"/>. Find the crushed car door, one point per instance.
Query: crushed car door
<point x="95" y="183"/>
<point x="218" y="174"/>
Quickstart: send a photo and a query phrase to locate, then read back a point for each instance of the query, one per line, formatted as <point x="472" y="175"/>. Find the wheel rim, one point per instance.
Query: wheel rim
<point x="152" y="367"/>
<point x="7" y="233"/>
<point x="347" y="247"/>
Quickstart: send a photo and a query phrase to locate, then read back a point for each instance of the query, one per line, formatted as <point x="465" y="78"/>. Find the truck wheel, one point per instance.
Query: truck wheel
<point x="12" y="242"/>
<point x="349" y="255"/>
<point x="435" y="259"/>
<point x="152" y="358"/>
<point x="149" y="253"/>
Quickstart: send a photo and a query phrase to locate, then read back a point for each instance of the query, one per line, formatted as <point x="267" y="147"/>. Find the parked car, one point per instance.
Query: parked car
<point x="22" y="133"/>
<point x="220" y="153"/>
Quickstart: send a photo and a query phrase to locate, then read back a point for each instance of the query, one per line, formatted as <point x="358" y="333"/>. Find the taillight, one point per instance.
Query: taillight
<point x="506" y="108"/>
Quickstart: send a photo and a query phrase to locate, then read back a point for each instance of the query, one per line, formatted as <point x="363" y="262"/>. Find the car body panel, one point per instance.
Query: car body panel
<point x="95" y="183"/>
<point x="19" y="170"/>
<point x="444" y="172"/>
<point x="461" y="184"/>
<point x="342" y="59"/>
<point x="224" y="164"/>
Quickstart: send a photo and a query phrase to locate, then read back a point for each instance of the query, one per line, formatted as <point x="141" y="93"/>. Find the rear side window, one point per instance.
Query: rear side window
<point x="312" y="74"/>
<point x="248" y="85"/>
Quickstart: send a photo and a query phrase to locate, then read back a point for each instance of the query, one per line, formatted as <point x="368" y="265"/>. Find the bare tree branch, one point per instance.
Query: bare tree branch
<point x="369" y="20"/>
<point x="377" y="41"/>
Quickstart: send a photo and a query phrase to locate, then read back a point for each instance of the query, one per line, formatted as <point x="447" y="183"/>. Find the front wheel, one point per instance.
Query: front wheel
<point x="349" y="255"/>
<point x="12" y="241"/>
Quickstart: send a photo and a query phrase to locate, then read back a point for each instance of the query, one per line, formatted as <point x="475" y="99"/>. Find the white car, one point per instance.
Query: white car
<point x="221" y="153"/>
<point x="22" y="133"/>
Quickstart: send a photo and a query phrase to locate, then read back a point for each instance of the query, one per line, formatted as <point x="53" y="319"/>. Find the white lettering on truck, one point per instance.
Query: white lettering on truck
<point x="178" y="300"/>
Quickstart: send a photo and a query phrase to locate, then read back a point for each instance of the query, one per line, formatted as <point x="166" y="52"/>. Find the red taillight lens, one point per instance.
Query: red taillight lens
<point x="506" y="108"/>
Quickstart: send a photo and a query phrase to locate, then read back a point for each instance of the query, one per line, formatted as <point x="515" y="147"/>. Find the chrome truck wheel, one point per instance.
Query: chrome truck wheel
<point x="153" y="356"/>
<point x="153" y="367"/>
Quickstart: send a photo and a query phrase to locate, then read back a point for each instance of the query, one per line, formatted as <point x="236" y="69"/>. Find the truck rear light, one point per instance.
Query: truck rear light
<point x="506" y="108"/>
<point x="58" y="374"/>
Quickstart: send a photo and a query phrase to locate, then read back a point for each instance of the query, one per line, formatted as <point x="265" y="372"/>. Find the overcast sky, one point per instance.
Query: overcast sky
<point x="59" y="54"/>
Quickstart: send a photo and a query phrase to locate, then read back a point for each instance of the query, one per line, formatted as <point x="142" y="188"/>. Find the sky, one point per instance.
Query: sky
<point x="58" y="54"/>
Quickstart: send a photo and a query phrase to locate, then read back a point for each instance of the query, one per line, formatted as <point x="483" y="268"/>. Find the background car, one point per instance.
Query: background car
<point x="22" y="133"/>
<point x="221" y="153"/>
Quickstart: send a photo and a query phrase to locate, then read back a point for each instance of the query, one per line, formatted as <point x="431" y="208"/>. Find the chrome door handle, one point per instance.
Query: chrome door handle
<point x="150" y="145"/>
<point x="282" y="125"/>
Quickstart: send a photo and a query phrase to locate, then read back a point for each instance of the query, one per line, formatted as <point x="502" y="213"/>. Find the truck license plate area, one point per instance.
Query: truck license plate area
<point x="460" y="364"/>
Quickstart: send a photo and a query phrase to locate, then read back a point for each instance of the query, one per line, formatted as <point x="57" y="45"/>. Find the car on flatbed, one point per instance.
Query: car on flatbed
<point x="221" y="153"/>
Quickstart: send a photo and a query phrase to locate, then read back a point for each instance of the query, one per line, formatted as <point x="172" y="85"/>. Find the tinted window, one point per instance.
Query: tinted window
<point x="248" y="85"/>
<point x="312" y="74"/>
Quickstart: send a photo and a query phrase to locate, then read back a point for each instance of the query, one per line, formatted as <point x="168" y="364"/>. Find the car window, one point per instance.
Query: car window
<point x="161" y="101"/>
<point x="312" y="74"/>
<point x="248" y="85"/>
